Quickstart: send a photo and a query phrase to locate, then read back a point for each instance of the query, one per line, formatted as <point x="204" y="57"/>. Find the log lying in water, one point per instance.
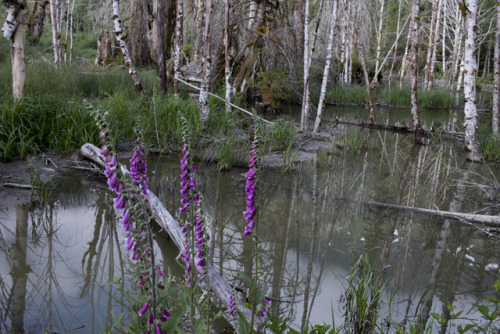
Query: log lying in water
<point x="402" y="128"/>
<point x="218" y="284"/>
<point x="472" y="217"/>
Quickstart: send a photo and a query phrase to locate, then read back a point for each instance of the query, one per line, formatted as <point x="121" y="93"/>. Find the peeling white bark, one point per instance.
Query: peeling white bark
<point x="379" y="38"/>
<point x="496" y="91"/>
<point x="117" y="29"/>
<point x="56" y="32"/>
<point x="329" y="55"/>
<point x="414" y="32"/>
<point x="10" y="24"/>
<point x="305" y="98"/>
<point x="470" y="70"/>
<point x="207" y="62"/>
<point x="11" y="30"/>
<point x="178" y="45"/>
<point x="227" y="56"/>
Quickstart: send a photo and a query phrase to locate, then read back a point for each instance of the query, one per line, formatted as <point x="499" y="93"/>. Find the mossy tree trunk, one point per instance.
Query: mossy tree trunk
<point x="160" y="40"/>
<point x="207" y="63"/>
<point x="178" y="44"/>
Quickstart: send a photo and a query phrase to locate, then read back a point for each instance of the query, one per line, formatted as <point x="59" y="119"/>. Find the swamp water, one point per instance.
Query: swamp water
<point x="56" y="262"/>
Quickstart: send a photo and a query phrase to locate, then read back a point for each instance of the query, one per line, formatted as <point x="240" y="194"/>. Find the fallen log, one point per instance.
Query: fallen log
<point x="218" y="284"/>
<point x="471" y="217"/>
<point x="403" y="128"/>
<point x="18" y="185"/>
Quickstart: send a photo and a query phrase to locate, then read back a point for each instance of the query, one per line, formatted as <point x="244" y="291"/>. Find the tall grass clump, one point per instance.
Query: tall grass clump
<point x="436" y="98"/>
<point x="353" y="140"/>
<point x="353" y="94"/>
<point x="490" y="144"/>
<point x="398" y="96"/>
<point x="279" y="136"/>
<point x="39" y="122"/>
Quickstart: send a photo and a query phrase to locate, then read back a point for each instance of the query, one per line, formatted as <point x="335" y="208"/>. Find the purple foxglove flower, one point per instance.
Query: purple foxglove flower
<point x="134" y="257"/>
<point x="150" y="319"/>
<point x="112" y="163"/>
<point x="113" y="182"/>
<point x="104" y="151"/>
<point x="119" y="203"/>
<point x="141" y="283"/>
<point x="108" y="171"/>
<point x="102" y="136"/>
<point x="129" y="242"/>
<point x="184" y="208"/>
<point x="158" y="329"/>
<point x="166" y="313"/>
<point x="143" y="309"/>
<point x="159" y="272"/>
<point x="232" y="305"/>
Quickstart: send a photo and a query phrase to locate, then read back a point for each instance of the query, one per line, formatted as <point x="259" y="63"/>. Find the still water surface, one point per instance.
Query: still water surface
<point x="56" y="262"/>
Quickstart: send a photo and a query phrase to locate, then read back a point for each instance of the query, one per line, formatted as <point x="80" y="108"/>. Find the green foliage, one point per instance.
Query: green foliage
<point x="39" y="122"/>
<point x="225" y="154"/>
<point x="436" y="98"/>
<point x="274" y="87"/>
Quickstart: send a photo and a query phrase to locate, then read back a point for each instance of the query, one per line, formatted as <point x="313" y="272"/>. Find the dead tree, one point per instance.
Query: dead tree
<point x="11" y="30"/>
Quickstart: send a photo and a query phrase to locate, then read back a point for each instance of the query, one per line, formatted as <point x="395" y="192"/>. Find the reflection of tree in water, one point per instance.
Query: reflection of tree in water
<point x="50" y="303"/>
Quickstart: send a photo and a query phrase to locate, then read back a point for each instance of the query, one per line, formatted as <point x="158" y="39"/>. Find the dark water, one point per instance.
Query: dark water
<point x="314" y="221"/>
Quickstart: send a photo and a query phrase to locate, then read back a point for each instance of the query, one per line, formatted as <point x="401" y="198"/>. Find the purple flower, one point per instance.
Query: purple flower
<point x="250" y="186"/>
<point x="113" y="182"/>
<point x="232" y="306"/>
<point x="143" y="309"/>
<point x="141" y="283"/>
<point x="105" y="151"/>
<point x="158" y="272"/>
<point x="119" y="203"/>
<point x="150" y="319"/>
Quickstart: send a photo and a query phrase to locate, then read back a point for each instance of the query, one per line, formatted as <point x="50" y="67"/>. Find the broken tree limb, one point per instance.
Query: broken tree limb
<point x="218" y="284"/>
<point x="224" y="100"/>
<point x="472" y="217"/>
<point x="18" y="185"/>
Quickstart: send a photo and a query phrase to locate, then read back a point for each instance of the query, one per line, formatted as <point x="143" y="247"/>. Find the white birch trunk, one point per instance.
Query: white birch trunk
<point x="56" y="33"/>
<point x="460" y="72"/>
<point x="227" y="56"/>
<point x="305" y="98"/>
<point x="470" y="71"/>
<point x="65" y="44"/>
<point x="11" y="30"/>
<point x="71" y="33"/>
<point x="415" y="26"/>
<point x="379" y="38"/>
<point x="496" y="91"/>
<point x="430" y="78"/>
<point x="207" y="60"/>
<point x="404" y="61"/>
<point x="120" y="38"/>
<point x="343" y="43"/>
<point x="444" y="37"/>
<point x="200" y="16"/>
<point x="178" y="44"/>
<point x="432" y="32"/>
<point x="397" y="39"/>
<point x="329" y="56"/>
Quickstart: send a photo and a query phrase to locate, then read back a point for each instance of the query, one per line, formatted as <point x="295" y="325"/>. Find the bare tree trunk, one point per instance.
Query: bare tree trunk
<point x="430" y="45"/>
<point x="496" y="91"/>
<point x="432" y="64"/>
<point x="207" y="62"/>
<point x="178" y="44"/>
<point x="117" y="29"/>
<point x="404" y="61"/>
<point x="103" y="48"/>
<point x="299" y="16"/>
<point x="397" y="39"/>
<point x="160" y="40"/>
<point x="329" y="56"/>
<point x="415" y="26"/>
<point x="71" y="32"/>
<point x="40" y="20"/>
<point x="56" y="33"/>
<point x="305" y="100"/>
<point x="227" y="55"/>
<point x="470" y="69"/>
<point x="200" y="17"/>
<point x="12" y="31"/>
<point x="379" y="38"/>
<point x="444" y="37"/>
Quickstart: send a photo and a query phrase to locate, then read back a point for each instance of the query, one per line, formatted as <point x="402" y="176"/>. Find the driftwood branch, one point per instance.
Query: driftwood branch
<point x="232" y="105"/>
<point x="218" y="284"/>
<point x="18" y="185"/>
<point x="472" y="217"/>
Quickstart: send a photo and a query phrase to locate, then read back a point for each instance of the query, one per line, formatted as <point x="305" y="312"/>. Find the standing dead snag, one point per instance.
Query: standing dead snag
<point x="496" y="92"/>
<point x="178" y="44"/>
<point x="11" y="30"/>
<point x="120" y="38"/>
<point x="160" y="40"/>
<point x="207" y="63"/>
<point x="414" y="32"/>
<point x="470" y="69"/>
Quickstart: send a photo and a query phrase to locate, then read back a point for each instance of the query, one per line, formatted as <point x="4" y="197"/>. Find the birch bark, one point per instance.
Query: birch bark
<point x="227" y="55"/>
<point x="430" y="45"/>
<point x="415" y="26"/>
<point x="379" y="38"/>
<point x="207" y="62"/>
<point x="200" y="16"/>
<point x="305" y="98"/>
<point x="329" y="56"/>
<point x="56" y="33"/>
<point x="430" y="77"/>
<point x="120" y="38"/>
<point x="178" y="44"/>
<point x="11" y="30"/>
<point x="470" y="69"/>
<point x="496" y="91"/>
